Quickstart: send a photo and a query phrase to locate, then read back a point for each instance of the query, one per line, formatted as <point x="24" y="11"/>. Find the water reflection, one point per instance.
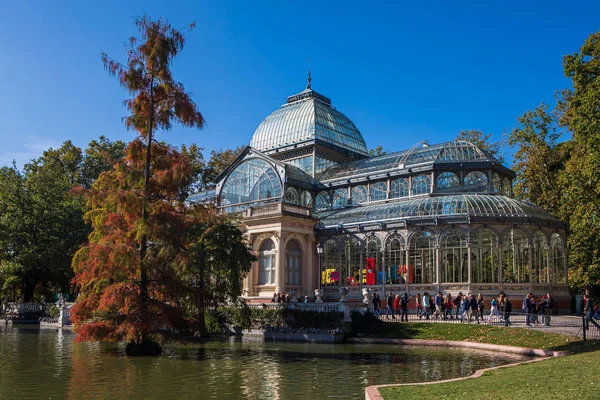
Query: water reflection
<point x="37" y="363"/>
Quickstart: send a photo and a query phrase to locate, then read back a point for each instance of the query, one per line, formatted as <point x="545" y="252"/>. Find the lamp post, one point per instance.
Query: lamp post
<point x="320" y="253"/>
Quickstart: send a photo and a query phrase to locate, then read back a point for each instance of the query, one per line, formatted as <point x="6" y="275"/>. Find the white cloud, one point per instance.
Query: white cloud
<point x="31" y="148"/>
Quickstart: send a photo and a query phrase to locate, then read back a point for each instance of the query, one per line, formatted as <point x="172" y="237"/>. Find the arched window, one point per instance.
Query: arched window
<point x="484" y="256"/>
<point x="515" y="257"/>
<point x="291" y="196"/>
<point x="252" y="182"/>
<point x="447" y="182"/>
<point x="454" y="255"/>
<point x="306" y="199"/>
<point x="266" y="263"/>
<point x="399" y="188"/>
<point x="496" y="183"/>
<point x="373" y="260"/>
<point x="330" y="271"/>
<point x="506" y="187"/>
<point x="323" y="202"/>
<point x="397" y="271"/>
<point x="476" y="181"/>
<point x="379" y="191"/>
<point x="539" y="263"/>
<point x="422" y="257"/>
<point x="557" y="260"/>
<point x="351" y="263"/>
<point x="359" y="194"/>
<point x="340" y="198"/>
<point x="293" y="266"/>
<point x="421" y="185"/>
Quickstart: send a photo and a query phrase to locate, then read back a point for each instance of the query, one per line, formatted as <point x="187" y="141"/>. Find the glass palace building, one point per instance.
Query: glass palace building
<point x="433" y="217"/>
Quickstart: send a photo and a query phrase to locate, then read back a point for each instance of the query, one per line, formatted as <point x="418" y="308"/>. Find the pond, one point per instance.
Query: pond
<point x="47" y="364"/>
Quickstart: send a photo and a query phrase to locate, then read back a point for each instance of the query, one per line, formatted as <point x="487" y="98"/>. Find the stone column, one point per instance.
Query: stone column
<point x="530" y="262"/>
<point x="469" y="266"/>
<point x="548" y="265"/>
<point x="499" y="250"/>
<point x="309" y="267"/>
<point x="280" y="262"/>
<point x="438" y="264"/>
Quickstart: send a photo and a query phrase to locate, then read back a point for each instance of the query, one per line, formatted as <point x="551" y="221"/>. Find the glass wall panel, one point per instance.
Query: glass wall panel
<point x="378" y="191"/>
<point x="515" y="257"/>
<point x="291" y="196"/>
<point x="373" y="259"/>
<point x="422" y="257"/>
<point x="557" y="266"/>
<point x="323" y="202"/>
<point x="399" y="188"/>
<point x="304" y="163"/>
<point x="359" y="194"/>
<point x="506" y="187"/>
<point x="476" y="181"/>
<point x="330" y="272"/>
<point x="306" y="199"/>
<point x="447" y="182"/>
<point x="321" y="164"/>
<point x="421" y="185"/>
<point x="253" y="182"/>
<point x="397" y="271"/>
<point x="484" y="256"/>
<point x="351" y="263"/>
<point x="539" y="262"/>
<point x="340" y="198"/>
<point x="496" y="183"/>
<point x="266" y="263"/>
<point x="293" y="266"/>
<point x="454" y="255"/>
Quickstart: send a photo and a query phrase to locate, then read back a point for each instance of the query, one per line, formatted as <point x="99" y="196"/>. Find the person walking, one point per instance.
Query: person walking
<point x="448" y="306"/>
<point x="397" y="304"/>
<point x="426" y="305"/>
<point x="474" y="308"/>
<point x="549" y="309"/>
<point x="376" y="304"/>
<point x="589" y="312"/>
<point x="527" y="307"/>
<point x="493" y="310"/>
<point x="419" y="305"/>
<point x="458" y="303"/>
<point x="404" y="307"/>
<point x="542" y="309"/>
<point x="480" y="306"/>
<point x="438" y="305"/>
<point x="465" y="307"/>
<point x="390" y="306"/>
<point x="507" y="311"/>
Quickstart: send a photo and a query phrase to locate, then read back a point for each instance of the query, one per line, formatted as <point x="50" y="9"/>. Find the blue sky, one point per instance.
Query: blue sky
<point x="402" y="71"/>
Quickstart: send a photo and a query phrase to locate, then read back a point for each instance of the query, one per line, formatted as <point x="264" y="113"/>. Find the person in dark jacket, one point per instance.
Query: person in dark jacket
<point x="390" y="306"/>
<point x="404" y="307"/>
<point x="376" y="303"/>
<point x="507" y="311"/>
<point x="589" y="312"/>
<point x="474" y="308"/>
<point x="528" y="307"/>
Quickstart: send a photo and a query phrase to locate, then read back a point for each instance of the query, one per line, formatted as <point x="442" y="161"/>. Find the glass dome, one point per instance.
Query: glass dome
<point x="308" y="116"/>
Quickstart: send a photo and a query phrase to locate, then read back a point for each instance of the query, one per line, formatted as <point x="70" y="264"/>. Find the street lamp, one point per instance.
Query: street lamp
<point x="320" y="253"/>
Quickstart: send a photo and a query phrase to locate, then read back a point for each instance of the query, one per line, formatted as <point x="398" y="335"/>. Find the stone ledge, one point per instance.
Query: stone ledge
<point x="372" y="392"/>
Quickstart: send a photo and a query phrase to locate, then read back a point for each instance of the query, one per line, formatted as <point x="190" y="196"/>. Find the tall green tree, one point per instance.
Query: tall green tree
<point x="581" y="178"/>
<point x="100" y="156"/>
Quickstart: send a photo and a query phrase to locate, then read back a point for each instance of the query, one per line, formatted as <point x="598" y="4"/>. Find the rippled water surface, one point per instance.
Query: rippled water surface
<point x="47" y="364"/>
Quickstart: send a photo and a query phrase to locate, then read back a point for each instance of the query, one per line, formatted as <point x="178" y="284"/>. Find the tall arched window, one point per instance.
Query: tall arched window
<point x="447" y="182"/>
<point x="306" y="199"/>
<point x="515" y="257"/>
<point x="539" y="263"/>
<point x="484" y="256"/>
<point x="399" y="188"/>
<point x="340" y="198"/>
<point x="359" y="194"/>
<point x="506" y="187"/>
<point x="323" y="202"/>
<point x="373" y="259"/>
<point x="496" y="183"/>
<point x="557" y="254"/>
<point x="421" y="185"/>
<point x="422" y="255"/>
<point x="476" y="181"/>
<point x="379" y="191"/>
<point x="252" y="182"/>
<point x="293" y="266"/>
<point x="266" y="263"/>
<point x="330" y="271"/>
<point x="454" y="255"/>
<point x="397" y="271"/>
<point x="291" y="196"/>
<point x="351" y="263"/>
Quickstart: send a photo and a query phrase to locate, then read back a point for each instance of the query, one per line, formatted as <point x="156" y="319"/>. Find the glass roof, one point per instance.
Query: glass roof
<point x="455" y="151"/>
<point x="295" y="173"/>
<point x="308" y="115"/>
<point x="201" y="197"/>
<point x="452" y="205"/>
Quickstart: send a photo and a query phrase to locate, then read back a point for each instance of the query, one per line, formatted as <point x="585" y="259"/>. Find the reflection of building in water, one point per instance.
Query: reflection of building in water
<point x="433" y="217"/>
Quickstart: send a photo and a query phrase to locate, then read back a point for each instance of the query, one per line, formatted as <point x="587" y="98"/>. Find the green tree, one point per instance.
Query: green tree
<point x="377" y="151"/>
<point x="581" y="178"/>
<point x="99" y="156"/>
<point x="540" y="158"/>
<point x="483" y="141"/>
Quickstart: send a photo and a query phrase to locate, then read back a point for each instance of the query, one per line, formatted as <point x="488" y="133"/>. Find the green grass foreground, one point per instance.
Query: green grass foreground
<point x="571" y="377"/>
<point x="519" y="337"/>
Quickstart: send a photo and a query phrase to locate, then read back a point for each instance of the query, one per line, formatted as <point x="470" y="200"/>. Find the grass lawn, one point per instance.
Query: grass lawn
<point x="519" y="337"/>
<point x="572" y="377"/>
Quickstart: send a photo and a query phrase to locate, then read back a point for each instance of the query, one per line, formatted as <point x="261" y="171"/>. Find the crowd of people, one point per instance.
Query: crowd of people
<point x="466" y="308"/>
